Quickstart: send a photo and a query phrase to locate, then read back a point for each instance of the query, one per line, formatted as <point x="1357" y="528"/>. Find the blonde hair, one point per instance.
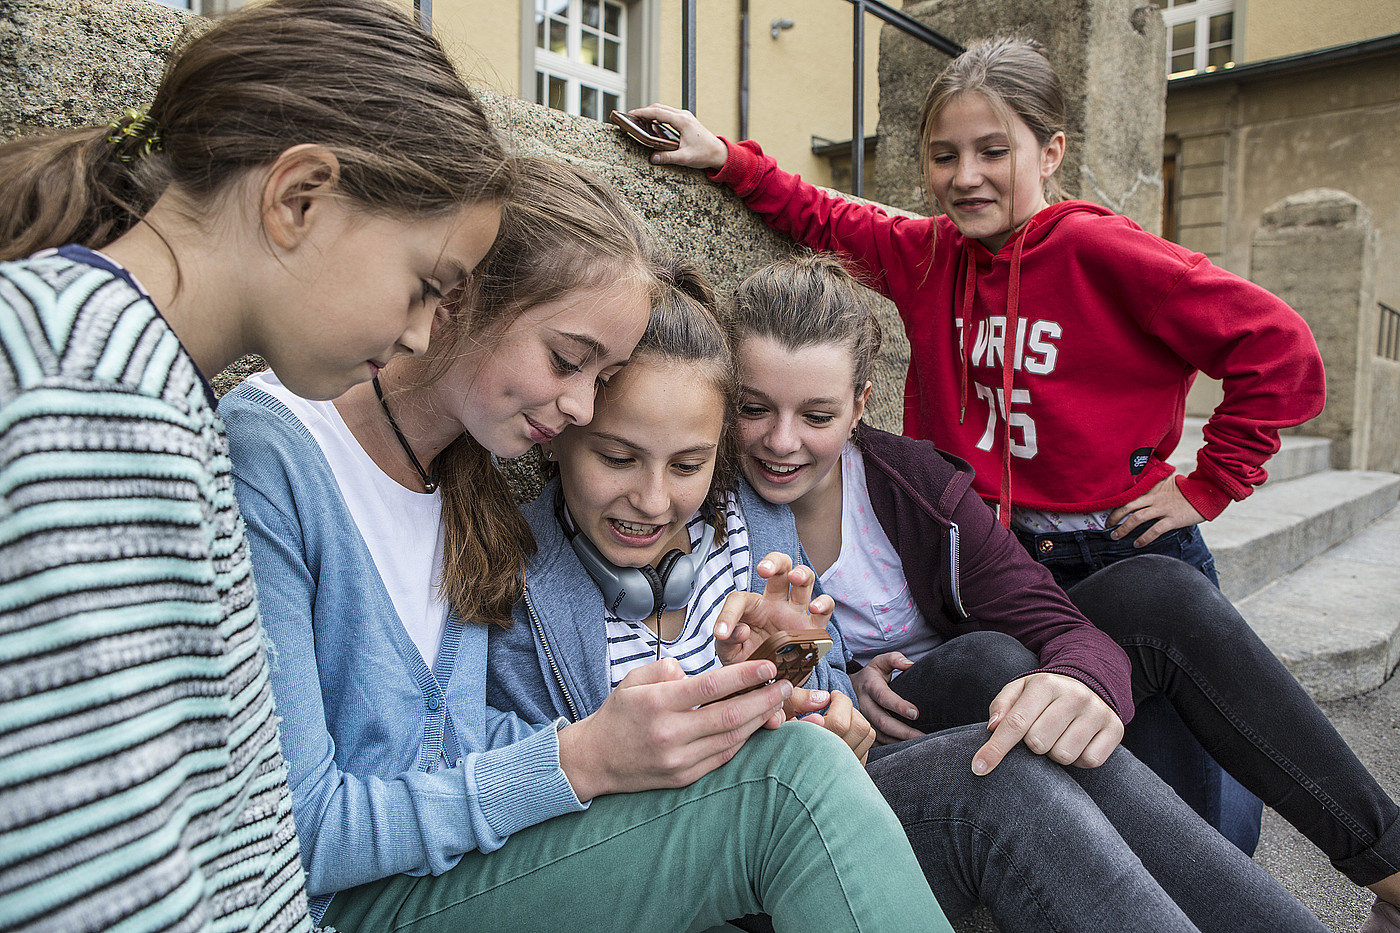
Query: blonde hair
<point x="356" y="76"/>
<point x="806" y="301"/>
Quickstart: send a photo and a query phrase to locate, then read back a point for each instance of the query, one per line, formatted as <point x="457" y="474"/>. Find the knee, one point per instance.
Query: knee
<point x="984" y="662"/>
<point x="1155" y="596"/>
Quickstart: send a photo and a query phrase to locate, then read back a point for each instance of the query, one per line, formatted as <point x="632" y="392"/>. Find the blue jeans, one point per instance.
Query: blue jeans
<point x="1157" y="736"/>
<point x="1048" y="848"/>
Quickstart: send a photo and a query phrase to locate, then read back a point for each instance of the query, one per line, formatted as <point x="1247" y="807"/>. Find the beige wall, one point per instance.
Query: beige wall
<point x="1275" y="28"/>
<point x="1247" y="146"/>
<point x="799" y="85"/>
<point x="483" y="38"/>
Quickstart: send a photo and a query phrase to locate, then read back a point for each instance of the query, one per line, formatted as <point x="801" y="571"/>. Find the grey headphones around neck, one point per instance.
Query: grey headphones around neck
<point x="635" y="594"/>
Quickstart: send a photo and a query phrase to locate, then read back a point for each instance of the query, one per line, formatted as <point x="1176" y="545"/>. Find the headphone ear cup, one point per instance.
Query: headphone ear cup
<point x="656" y="580"/>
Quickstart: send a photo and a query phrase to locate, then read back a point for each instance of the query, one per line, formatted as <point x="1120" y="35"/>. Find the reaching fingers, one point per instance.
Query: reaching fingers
<point x="886" y="710"/>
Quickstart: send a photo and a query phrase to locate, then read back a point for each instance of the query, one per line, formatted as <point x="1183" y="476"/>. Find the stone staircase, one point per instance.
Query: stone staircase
<point x="1312" y="560"/>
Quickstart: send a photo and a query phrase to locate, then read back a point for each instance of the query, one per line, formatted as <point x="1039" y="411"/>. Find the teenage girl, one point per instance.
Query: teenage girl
<point x="260" y="204"/>
<point x="1052" y="346"/>
<point x="644" y="486"/>
<point x="386" y="543"/>
<point x="949" y="618"/>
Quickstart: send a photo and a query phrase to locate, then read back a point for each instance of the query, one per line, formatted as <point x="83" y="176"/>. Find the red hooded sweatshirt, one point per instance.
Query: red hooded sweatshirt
<point x="1109" y="326"/>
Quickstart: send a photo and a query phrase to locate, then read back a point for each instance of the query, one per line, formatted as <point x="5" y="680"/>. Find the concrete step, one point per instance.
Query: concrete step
<point x="1297" y="455"/>
<point x="1284" y="525"/>
<point x="1335" y="621"/>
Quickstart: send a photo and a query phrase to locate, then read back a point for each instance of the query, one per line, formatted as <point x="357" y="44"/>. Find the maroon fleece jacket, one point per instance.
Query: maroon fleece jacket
<point x="967" y="573"/>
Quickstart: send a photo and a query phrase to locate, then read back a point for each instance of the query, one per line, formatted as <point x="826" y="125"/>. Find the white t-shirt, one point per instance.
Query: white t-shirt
<point x="874" y="607"/>
<point x="726" y="569"/>
<point x="407" y="534"/>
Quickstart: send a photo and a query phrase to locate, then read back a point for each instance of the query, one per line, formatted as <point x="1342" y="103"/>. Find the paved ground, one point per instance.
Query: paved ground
<point x="1371" y="725"/>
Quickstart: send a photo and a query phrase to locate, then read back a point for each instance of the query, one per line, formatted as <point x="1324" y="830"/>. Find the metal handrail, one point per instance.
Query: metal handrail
<point x="1388" y="332"/>
<point x="897" y="18"/>
<point x="905" y="23"/>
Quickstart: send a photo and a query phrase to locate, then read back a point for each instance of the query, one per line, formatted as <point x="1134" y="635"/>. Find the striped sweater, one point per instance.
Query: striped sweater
<point x="141" y="783"/>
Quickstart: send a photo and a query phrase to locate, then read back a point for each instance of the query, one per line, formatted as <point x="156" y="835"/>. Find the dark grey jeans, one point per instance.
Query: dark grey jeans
<point x="1188" y="643"/>
<point x="1049" y="848"/>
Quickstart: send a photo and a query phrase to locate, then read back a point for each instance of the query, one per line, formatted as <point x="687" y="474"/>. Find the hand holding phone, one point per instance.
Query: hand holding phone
<point x="651" y="133"/>
<point x="795" y="652"/>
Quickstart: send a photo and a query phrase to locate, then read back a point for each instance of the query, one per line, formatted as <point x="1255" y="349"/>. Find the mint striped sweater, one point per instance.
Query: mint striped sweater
<point x="141" y="783"/>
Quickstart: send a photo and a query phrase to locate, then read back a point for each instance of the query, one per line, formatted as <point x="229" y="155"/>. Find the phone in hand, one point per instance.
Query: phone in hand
<point x="648" y="132"/>
<point x="795" y="652"/>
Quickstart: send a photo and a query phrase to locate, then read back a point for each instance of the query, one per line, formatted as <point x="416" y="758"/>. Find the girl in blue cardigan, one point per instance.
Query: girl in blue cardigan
<point x="386" y="542"/>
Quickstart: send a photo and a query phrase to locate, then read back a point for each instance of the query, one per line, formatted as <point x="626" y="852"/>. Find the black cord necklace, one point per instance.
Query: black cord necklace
<point x="430" y="483"/>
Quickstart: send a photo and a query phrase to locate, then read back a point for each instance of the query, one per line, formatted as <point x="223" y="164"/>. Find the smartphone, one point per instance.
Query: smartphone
<point x="648" y="132"/>
<point x="795" y="652"/>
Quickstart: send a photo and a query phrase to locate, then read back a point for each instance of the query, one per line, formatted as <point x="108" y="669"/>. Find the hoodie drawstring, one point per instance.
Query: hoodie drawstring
<point x="1010" y="349"/>
<point x="969" y="291"/>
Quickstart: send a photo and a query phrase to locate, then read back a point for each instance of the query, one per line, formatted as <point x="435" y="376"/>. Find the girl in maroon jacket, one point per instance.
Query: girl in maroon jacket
<point x="950" y="618"/>
<point x="1052" y="346"/>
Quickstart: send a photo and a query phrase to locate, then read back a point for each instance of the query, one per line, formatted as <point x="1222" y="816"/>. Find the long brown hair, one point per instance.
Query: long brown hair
<point x="684" y="328"/>
<point x="562" y="229"/>
<point x="356" y="76"/>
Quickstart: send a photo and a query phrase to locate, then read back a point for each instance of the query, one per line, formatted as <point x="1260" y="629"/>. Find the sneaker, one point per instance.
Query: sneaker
<point x="1383" y="918"/>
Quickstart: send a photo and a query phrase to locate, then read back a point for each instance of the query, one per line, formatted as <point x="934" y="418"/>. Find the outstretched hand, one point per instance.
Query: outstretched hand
<point x="1163" y="507"/>
<point x="887" y="711"/>
<point x="746" y="618"/>
<point x="699" y="147"/>
<point x="1054" y="715"/>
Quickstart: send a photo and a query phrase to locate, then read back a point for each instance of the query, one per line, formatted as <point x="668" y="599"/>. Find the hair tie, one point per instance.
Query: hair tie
<point x="135" y="135"/>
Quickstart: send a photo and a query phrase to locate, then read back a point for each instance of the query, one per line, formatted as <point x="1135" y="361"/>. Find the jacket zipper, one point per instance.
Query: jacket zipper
<point x="549" y="656"/>
<point x="954" y="551"/>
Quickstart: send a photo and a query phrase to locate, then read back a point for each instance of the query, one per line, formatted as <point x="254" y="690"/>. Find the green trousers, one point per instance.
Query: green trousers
<point x="791" y="827"/>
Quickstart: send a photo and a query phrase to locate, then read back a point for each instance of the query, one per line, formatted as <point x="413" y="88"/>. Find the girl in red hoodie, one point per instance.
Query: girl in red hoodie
<point x="1052" y="345"/>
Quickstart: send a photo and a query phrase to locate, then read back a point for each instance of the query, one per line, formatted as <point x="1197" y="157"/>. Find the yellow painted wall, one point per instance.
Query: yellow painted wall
<point x="1275" y="28"/>
<point x="483" y="38"/>
<point x="799" y="86"/>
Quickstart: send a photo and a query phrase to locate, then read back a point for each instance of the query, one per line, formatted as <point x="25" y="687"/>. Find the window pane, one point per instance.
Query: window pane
<point x="588" y="101"/>
<point x="539" y="87"/>
<point x="1222" y="28"/>
<point x="539" y="33"/>
<point x="1177" y="3"/>
<point x="612" y="51"/>
<point x="610" y="103"/>
<point x="558" y="37"/>
<point x="1219" y="57"/>
<point x="1184" y="62"/>
<point x="557" y="93"/>
<point x="588" y="48"/>
<point x="590" y="13"/>
<point x="612" y="19"/>
<point x="1183" y="37"/>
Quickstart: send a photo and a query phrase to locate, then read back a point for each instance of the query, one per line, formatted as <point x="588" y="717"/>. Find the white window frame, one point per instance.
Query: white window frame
<point x="575" y="73"/>
<point x="635" y="84"/>
<point x="1200" y="12"/>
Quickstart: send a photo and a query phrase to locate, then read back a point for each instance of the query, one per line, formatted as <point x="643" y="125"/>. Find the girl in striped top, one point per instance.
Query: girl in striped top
<point x="260" y="204"/>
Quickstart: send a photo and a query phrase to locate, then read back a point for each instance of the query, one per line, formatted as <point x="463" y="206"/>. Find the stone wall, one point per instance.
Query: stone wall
<point x="1109" y="56"/>
<point x="67" y="63"/>
<point x="1317" y="251"/>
